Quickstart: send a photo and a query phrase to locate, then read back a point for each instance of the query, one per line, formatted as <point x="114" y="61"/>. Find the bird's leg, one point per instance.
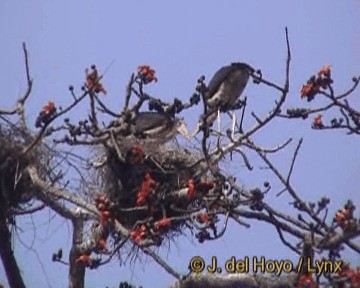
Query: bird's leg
<point x="219" y="121"/>
<point x="233" y="118"/>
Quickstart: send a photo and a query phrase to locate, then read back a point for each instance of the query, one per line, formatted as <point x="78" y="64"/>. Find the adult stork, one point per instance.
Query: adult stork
<point x="159" y="127"/>
<point x="224" y="90"/>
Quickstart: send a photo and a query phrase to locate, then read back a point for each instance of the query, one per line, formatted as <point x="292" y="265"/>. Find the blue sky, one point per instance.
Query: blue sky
<point x="182" y="40"/>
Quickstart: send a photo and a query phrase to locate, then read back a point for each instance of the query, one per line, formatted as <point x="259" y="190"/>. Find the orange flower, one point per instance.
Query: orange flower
<point x="104" y="217"/>
<point x="325" y="71"/>
<point x="354" y="276"/>
<point x="146" y="74"/>
<point x="147" y="186"/>
<point x="203" y="218"/>
<point x="317" y="123"/>
<point x="102" y="199"/>
<point x="137" y="155"/>
<point x="343" y="216"/>
<point x="192" y="189"/>
<point x="83" y="258"/>
<point x="101" y="244"/>
<point x="93" y="81"/>
<point x="45" y="114"/>
<point x="306" y="90"/>
<point x="306" y="281"/>
<point x="207" y="184"/>
<point x="138" y="233"/>
<point x="163" y="223"/>
<point x="101" y="207"/>
<point x="49" y="108"/>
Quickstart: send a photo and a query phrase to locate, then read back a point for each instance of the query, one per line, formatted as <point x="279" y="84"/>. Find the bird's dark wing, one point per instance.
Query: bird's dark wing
<point x="150" y="120"/>
<point x="217" y="79"/>
<point x="222" y="74"/>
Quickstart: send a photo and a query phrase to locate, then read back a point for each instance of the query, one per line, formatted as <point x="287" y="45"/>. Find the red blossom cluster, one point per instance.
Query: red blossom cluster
<point x="352" y="274"/>
<point x="84" y="259"/>
<point x="93" y="81"/>
<point x="313" y="85"/>
<point x="136" y="155"/>
<point x="162" y="224"/>
<point x="102" y="204"/>
<point x="146" y="74"/>
<point x="345" y="217"/>
<point x="101" y="244"/>
<point x="203" y="218"/>
<point x="49" y="108"/>
<point x="306" y="281"/>
<point x="194" y="188"/>
<point x="46" y="113"/>
<point x="138" y="233"/>
<point x="317" y="123"/>
<point x="147" y="187"/>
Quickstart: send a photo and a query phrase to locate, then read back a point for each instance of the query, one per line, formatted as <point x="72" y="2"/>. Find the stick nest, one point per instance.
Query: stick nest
<point x="15" y="184"/>
<point x="156" y="188"/>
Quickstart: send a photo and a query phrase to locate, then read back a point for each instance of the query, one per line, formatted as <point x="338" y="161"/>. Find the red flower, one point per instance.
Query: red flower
<point x="343" y="216"/>
<point x="104" y="217"/>
<point x="138" y="233"/>
<point x="102" y="202"/>
<point x="207" y="184"/>
<point x="93" y="81"/>
<point x="101" y="244"/>
<point x="163" y="223"/>
<point x="101" y="199"/>
<point x="203" y="218"/>
<point x="306" y="281"/>
<point x="146" y="74"/>
<point x="306" y="89"/>
<point x="45" y="114"/>
<point x="83" y="258"/>
<point x="192" y="189"/>
<point x="325" y="71"/>
<point x="317" y="123"/>
<point x="354" y="276"/>
<point x="49" y="108"/>
<point x="147" y="186"/>
<point x="310" y="89"/>
<point x="101" y="207"/>
<point x="137" y="155"/>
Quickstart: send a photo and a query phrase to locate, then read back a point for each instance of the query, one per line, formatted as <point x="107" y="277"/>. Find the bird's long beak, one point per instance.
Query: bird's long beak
<point x="183" y="130"/>
<point x="196" y="130"/>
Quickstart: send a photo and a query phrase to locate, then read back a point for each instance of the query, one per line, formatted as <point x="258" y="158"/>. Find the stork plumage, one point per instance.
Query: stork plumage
<point x="159" y="126"/>
<point x="224" y="90"/>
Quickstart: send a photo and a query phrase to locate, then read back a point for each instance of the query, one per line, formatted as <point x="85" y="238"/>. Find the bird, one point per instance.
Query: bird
<point x="158" y="126"/>
<point x="224" y="90"/>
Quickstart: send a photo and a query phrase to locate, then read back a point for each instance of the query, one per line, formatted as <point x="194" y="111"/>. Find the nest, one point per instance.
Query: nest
<point x="154" y="188"/>
<point x="15" y="185"/>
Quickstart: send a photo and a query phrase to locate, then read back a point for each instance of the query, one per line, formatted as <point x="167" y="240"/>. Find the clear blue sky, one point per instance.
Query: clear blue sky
<point x="182" y="40"/>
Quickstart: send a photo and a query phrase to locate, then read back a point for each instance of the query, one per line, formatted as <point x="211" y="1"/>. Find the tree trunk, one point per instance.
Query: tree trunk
<point x="77" y="270"/>
<point x="7" y="256"/>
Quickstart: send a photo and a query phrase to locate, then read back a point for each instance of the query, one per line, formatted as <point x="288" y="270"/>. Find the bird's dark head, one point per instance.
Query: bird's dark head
<point x="243" y="66"/>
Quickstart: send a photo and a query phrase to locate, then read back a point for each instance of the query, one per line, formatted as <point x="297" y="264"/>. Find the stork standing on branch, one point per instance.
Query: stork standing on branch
<point x="223" y="92"/>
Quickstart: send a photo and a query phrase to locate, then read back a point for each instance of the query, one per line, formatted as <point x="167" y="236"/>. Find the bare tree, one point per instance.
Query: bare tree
<point x="138" y="189"/>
